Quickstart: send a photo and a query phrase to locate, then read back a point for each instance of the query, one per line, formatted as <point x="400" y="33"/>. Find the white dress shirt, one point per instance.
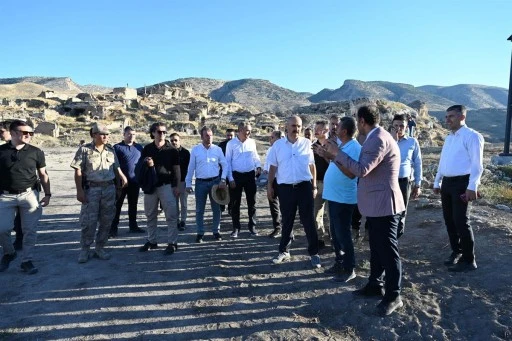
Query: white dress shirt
<point x="462" y="154"/>
<point x="266" y="168"/>
<point x="241" y="156"/>
<point x="292" y="160"/>
<point x="205" y="162"/>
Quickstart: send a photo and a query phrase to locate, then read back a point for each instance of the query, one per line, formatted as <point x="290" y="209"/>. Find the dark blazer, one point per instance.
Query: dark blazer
<point x="378" y="192"/>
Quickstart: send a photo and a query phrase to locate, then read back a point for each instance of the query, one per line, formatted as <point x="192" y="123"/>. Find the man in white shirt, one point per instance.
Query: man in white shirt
<point x="243" y="167"/>
<point x="457" y="179"/>
<point x="205" y="162"/>
<point x="292" y="164"/>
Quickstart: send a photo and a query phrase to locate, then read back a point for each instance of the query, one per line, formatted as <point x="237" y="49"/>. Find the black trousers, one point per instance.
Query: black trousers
<point x="245" y="182"/>
<point x="275" y="212"/>
<point x="456" y="216"/>
<point x="384" y="255"/>
<point x="132" y="192"/>
<point x="290" y="198"/>
<point x="405" y="188"/>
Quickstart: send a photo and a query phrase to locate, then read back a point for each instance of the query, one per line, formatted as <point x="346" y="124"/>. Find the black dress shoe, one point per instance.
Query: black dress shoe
<point x="148" y="246"/>
<point x="453" y="259"/>
<point x="463" y="266"/>
<point x="170" y="249"/>
<point x="199" y="238"/>
<point x="387" y="307"/>
<point x="275" y="233"/>
<point x="6" y="260"/>
<point x="28" y="267"/>
<point x="369" y="291"/>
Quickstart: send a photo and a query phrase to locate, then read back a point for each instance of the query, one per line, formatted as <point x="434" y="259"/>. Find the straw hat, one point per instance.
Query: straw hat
<point x="219" y="195"/>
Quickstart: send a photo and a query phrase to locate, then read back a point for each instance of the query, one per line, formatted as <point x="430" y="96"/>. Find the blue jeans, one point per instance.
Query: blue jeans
<point x="340" y="216"/>
<point x="203" y="191"/>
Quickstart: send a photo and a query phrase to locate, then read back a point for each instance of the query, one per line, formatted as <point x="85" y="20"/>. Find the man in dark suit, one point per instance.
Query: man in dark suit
<point x="380" y="200"/>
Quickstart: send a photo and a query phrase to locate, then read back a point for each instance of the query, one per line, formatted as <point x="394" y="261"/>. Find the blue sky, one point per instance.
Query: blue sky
<point x="300" y="45"/>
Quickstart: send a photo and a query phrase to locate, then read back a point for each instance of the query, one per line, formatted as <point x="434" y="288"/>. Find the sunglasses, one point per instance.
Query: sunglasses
<point x="26" y="133"/>
<point x="161" y="132"/>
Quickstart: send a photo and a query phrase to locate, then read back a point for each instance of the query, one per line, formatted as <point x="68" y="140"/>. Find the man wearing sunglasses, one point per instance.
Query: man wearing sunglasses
<point x="96" y="166"/>
<point x="20" y="166"/>
<point x="164" y="158"/>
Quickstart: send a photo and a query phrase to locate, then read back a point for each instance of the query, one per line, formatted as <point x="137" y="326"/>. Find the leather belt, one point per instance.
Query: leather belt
<point x="207" y="179"/>
<point x="100" y="183"/>
<point x="458" y="177"/>
<point x="21" y="191"/>
<point x="296" y="185"/>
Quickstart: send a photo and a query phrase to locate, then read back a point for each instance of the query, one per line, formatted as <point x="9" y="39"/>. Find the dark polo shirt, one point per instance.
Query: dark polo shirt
<point x="18" y="168"/>
<point x="164" y="158"/>
<point x="321" y="165"/>
<point x="184" y="161"/>
<point x="128" y="157"/>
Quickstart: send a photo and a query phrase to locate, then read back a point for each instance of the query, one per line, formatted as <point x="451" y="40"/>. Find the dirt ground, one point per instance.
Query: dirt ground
<point x="231" y="290"/>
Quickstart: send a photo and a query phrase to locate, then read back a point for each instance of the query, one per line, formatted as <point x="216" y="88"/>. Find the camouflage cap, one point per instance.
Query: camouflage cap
<point x="100" y="128"/>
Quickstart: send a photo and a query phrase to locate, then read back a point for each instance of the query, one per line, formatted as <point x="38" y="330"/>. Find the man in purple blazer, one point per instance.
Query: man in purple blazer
<point x="380" y="200"/>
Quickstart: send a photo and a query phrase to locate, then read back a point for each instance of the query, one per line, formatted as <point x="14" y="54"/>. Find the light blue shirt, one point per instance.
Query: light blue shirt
<point x="337" y="186"/>
<point x="410" y="158"/>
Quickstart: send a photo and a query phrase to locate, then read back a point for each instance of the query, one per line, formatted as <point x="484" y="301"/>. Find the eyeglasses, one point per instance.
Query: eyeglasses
<point x="161" y="132"/>
<point x="26" y="133"/>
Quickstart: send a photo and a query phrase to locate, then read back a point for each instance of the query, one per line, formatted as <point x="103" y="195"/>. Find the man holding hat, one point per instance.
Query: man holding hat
<point x="96" y="167"/>
<point x="205" y="162"/>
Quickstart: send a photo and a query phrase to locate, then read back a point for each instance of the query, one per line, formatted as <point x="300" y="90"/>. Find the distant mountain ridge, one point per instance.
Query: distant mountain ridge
<point x="260" y="95"/>
<point x="58" y="84"/>
<point x="436" y="97"/>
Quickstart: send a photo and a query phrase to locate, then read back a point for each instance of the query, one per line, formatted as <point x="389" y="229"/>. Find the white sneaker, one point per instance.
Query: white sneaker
<point x="315" y="261"/>
<point x="282" y="257"/>
<point x="234" y="234"/>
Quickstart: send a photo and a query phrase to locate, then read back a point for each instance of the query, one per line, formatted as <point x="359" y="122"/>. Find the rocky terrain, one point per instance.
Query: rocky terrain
<point x="231" y="290"/>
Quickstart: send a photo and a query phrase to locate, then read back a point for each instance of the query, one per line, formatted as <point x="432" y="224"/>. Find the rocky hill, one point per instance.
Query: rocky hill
<point x="489" y="122"/>
<point x="257" y="95"/>
<point x="436" y="97"/>
<point x="472" y="96"/>
<point x="23" y="87"/>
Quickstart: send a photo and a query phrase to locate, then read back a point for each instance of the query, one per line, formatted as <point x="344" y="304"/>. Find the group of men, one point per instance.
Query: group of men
<point x="372" y="175"/>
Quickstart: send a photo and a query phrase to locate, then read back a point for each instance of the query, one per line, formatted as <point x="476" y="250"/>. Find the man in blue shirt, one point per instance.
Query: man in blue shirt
<point x="410" y="165"/>
<point x="340" y="191"/>
<point x="128" y="152"/>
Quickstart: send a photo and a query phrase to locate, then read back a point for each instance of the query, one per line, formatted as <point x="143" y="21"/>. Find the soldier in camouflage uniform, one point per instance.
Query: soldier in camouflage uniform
<point x="95" y="167"/>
